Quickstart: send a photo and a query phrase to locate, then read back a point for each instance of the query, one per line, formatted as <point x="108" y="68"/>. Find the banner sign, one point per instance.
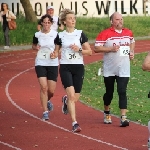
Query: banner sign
<point x="89" y="8"/>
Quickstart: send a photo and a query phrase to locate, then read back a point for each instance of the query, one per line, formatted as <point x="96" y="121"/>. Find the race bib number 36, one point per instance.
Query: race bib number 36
<point x="44" y="54"/>
<point x="124" y="50"/>
<point x="72" y="56"/>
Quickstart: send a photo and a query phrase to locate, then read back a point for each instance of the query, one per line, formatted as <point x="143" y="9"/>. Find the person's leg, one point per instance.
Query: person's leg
<point x="6" y="36"/>
<point x="72" y="97"/>
<point x="77" y="76"/>
<point x="122" y="83"/>
<point x="43" y="92"/>
<point x="107" y="98"/>
<point x="42" y="79"/>
<point x="148" y="144"/>
<point x="72" y="80"/>
<point x="52" y="74"/>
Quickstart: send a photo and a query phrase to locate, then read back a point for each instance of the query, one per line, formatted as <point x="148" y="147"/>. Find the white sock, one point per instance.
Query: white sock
<point x="66" y="99"/>
<point x="75" y="122"/>
<point x="45" y="112"/>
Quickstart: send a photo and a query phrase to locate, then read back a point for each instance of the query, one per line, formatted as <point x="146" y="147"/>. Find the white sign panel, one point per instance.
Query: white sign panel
<point x="90" y="8"/>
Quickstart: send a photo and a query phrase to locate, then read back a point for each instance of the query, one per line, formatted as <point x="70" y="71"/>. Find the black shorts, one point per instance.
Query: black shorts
<point x="72" y="75"/>
<point x="51" y="72"/>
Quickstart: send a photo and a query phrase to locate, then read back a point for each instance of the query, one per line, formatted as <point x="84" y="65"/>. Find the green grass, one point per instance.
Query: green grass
<point x="138" y="88"/>
<point x="91" y="26"/>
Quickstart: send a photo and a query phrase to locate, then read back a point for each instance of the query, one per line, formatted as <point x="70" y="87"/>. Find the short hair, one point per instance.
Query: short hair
<point x="63" y="14"/>
<point x="46" y="16"/>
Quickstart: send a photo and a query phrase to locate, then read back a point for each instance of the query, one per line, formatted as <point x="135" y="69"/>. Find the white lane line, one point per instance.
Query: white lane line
<point x="84" y="136"/>
<point x="13" y="55"/>
<point x="12" y="62"/>
<point x="9" y="145"/>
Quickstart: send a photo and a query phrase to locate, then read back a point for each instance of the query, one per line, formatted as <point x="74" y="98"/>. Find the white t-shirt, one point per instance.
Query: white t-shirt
<point x="54" y="26"/>
<point x="46" y="41"/>
<point x="116" y="63"/>
<point x="65" y="39"/>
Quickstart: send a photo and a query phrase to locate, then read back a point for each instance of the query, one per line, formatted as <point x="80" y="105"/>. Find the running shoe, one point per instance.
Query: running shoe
<point x="50" y="105"/>
<point x="107" y="119"/>
<point x="64" y="105"/>
<point x="45" y="116"/>
<point x="124" y="121"/>
<point x="148" y="145"/>
<point x="76" y="128"/>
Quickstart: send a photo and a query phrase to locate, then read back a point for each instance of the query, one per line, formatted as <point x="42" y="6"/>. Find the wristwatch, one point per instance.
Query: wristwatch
<point x="80" y="50"/>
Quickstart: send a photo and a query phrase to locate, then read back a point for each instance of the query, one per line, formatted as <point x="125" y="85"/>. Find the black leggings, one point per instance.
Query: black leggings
<point x="121" y="89"/>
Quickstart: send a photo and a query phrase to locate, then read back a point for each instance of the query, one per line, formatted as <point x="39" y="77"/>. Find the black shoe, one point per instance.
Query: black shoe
<point x="124" y="122"/>
<point x="64" y="106"/>
<point x="76" y="128"/>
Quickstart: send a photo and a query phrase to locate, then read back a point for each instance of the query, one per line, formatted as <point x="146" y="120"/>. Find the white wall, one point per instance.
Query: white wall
<point x="91" y="8"/>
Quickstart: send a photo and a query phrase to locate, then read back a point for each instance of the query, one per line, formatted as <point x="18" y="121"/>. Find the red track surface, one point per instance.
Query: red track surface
<point x="20" y="113"/>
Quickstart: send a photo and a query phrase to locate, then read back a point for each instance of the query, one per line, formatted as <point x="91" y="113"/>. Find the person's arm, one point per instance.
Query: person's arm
<point x="39" y="25"/>
<point x="146" y="63"/>
<point x="57" y="42"/>
<point x="61" y="27"/>
<point x="35" y="45"/>
<point x="86" y="49"/>
<point x="55" y="53"/>
<point x="132" y="46"/>
<point x="99" y="46"/>
<point x="98" y="49"/>
<point x="11" y="15"/>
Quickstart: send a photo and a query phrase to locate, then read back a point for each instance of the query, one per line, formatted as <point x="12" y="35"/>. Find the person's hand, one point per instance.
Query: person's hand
<point x="74" y="47"/>
<point x="115" y="48"/>
<point x="54" y="55"/>
<point x="36" y="47"/>
<point x="131" y="55"/>
<point x="8" y="17"/>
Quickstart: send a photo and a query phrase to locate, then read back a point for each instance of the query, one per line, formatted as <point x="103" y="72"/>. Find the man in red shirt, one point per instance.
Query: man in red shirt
<point x="117" y="44"/>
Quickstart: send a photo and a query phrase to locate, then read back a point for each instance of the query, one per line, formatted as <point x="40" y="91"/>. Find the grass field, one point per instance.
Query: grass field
<point x="138" y="88"/>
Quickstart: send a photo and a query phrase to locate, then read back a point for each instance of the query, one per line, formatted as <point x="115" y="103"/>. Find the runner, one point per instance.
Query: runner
<point x="146" y="67"/>
<point x="74" y="44"/>
<point x="46" y="68"/>
<point x="5" y="16"/>
<point x="117" y="44"/>
<point x="56" y="24"/>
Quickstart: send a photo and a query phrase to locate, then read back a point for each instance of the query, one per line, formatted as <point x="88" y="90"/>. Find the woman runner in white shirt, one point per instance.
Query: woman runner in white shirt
<point x="46" y="68"/>
<point x="74" y="44"/>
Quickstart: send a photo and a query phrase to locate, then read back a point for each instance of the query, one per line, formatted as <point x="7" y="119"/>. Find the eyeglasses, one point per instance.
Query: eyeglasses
<point x="47" y="22"/>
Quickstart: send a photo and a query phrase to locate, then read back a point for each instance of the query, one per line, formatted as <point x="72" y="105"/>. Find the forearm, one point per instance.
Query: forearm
<point x="132" y="47"/>
<point x="34" y="47"/>
<point x="98" y="49"/>
<point x="86" y="52"/>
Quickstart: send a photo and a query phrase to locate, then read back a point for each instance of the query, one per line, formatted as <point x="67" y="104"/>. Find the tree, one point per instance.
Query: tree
<point x="28" y="10"/>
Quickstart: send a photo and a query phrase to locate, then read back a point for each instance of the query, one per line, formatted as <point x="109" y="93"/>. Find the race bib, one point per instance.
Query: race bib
<point x="44" y="53"/>
<point x="72" y="55"/>
<point x="124" y="50"/>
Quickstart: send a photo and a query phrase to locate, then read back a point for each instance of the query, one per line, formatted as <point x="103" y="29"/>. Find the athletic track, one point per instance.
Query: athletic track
<point x="21" y="127"/>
